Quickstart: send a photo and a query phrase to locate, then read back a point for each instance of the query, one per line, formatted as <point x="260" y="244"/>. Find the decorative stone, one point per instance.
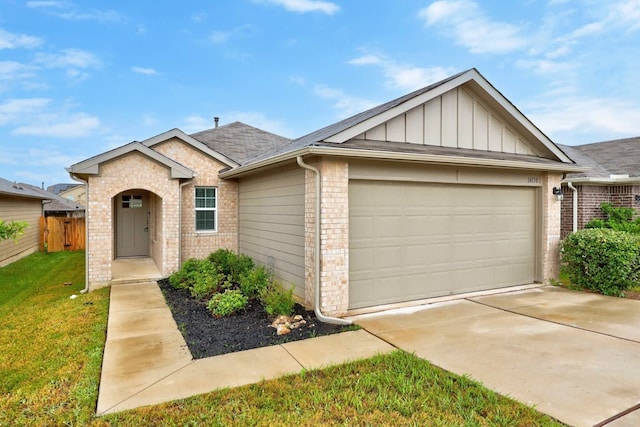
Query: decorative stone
<point x="282" y="329"/>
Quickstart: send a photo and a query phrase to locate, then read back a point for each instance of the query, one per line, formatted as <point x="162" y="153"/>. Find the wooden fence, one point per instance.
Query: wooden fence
<point x="62" y="234"/>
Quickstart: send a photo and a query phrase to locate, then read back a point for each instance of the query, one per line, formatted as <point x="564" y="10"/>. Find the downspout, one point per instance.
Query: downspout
<point x="316" y="253"/>
<point x="575" y="205"/>
<point x="86" y="233"/>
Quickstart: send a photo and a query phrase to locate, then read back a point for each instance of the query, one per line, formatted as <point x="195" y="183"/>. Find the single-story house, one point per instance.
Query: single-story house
<point x="612" y="174"/>
<point x="57" y="205"/>
<point x="446" y="190"/>
<point x="19" y="202"/>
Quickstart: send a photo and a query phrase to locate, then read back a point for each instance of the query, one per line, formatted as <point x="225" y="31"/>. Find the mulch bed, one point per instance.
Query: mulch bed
<point x="208" y="336"/>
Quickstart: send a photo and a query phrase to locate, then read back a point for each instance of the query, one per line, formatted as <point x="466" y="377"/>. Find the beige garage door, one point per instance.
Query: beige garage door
<point x="409" y="241"/>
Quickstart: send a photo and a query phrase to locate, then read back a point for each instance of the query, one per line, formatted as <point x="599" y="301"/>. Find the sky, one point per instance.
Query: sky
<point x="78" y="78"/>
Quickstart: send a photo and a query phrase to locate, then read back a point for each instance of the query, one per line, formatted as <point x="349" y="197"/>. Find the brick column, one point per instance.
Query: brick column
<point x="334" y="237"/>
<point x="551" y="220"/>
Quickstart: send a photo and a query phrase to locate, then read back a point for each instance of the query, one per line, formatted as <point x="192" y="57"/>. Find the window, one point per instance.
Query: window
<point x="206" y="209"/>
<point x="131" y="201"/>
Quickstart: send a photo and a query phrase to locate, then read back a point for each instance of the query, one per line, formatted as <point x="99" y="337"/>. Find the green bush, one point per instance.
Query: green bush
<point x="186" y="276"/>
<point x="602" y="260"/>
<point x="232" y="265"/>
<point x="227" y="303"/>
<point x="207" y="281"/>
<point x="277" y="300"/>
<point x="254" y="282"/>
<point x="618" y="218"/>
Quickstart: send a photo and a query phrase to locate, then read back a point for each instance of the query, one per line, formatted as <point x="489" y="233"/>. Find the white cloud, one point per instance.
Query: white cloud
<point x="13" y="110"/>
<point x="346" y="105"/>
<point x="145" y="71"/>
<point x="404" y="76"/>
<point x="219" y="37"/>
<point x="303" y="6"/>
<point x="149" y="119"/>
<point x="14" y="41"/>
<point x="11" y="70"/>
<point x="469" y="26"/>
<point x="585" y="119"/>
<point x="66" y="10"/>
<point x="45" y="4"/>
<point x="52" y="125"/>
<point x="69" y="58"/>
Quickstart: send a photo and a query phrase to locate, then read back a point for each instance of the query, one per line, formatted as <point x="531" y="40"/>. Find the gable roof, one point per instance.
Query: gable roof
<point x="239" y="141"/>
<point x="92" y="166"/>
<point x="21" y="190"/>
<point x="336" y="135"/>
<point x="59" y="188"/>
<point x="608" y="160"/>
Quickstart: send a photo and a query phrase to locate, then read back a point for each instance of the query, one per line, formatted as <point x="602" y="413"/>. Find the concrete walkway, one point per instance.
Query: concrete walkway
<point x="574" y="355"/>
<point x="146" y="360"/>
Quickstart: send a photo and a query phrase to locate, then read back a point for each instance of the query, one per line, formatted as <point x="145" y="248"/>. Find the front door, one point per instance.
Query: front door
<point x="132" y="224"/>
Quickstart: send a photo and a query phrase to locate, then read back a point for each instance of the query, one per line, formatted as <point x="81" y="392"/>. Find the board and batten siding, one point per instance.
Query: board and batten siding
<point x="20" y="209"/>
<point x="456" y="119"/>
<point x="271" y="223"/>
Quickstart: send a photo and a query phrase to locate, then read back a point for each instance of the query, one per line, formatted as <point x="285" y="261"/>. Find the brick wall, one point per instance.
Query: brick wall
<point x="550" y="228"/>
<point x="200" y="244"/>
<point x="590" y="197"/>
<point x="334" y="237"/>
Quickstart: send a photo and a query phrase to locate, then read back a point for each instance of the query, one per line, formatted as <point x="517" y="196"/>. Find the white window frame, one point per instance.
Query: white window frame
<point x="205" y="209"/>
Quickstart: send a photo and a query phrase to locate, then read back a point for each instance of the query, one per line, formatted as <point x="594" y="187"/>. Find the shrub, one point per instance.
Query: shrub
<point x="186" y="276"/>
<point x="277" y="301"/>
<point x="618" y="218"/>
<point x="602" y="260"/>
<point x="227" y="303"/>
<point x="254" y="282"/>
<point x="207" y="281"/>
<point x="231" y="264"/>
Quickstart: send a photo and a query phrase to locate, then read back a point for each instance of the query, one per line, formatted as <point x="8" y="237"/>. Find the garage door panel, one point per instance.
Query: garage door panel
<point x="415" y="240"/>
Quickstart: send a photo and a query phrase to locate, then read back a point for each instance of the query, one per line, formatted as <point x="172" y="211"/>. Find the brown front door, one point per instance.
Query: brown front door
<point x="132" y="224"/>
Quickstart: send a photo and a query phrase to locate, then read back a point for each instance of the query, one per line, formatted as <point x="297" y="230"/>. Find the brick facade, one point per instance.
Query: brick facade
<point x="550" y="232"/>
<point x="168" y="225"/>
<point x="590" y="197"/>
<point x="334" y="237"/>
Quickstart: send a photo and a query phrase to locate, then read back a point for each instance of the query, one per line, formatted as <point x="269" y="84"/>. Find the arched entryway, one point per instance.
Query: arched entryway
<point x="133" y="217"/>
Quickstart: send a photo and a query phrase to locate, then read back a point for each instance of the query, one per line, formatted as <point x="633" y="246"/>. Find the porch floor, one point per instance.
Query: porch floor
<point x="134" y="269"/>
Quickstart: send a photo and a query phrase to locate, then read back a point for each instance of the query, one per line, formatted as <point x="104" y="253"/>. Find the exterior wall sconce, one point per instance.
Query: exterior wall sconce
<point x="557" y="191"/>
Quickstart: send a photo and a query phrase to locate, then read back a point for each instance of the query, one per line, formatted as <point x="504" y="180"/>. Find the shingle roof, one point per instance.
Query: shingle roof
<point x="21" y="190"/>
<point x="316" y="137"/>
<point x="59" y="188"/>
<point x="239" y="141"/>
<point x="606" y="158"/>
<point x="56" y="203"/>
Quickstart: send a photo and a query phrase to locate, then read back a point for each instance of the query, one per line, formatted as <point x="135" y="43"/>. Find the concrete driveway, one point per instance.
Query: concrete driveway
<point x="573" y="355"/>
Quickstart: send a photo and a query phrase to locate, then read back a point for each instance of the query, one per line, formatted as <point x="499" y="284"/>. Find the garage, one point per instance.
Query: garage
<point x="415" y="240"/>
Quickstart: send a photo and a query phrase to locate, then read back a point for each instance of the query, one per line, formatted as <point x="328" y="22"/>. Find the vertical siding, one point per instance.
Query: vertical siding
<point x="20" y="209"/>
<point x="457" y="119"/>
<point x="271" y="223"/>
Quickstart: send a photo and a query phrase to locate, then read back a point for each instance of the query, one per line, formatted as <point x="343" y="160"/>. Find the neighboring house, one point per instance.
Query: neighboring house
<point x="57" y="205"/>
<point x="446" y="190"/>
<point x="19" y="202"/>
<point x="74" y="192"/>
<point x="613" y="176"/>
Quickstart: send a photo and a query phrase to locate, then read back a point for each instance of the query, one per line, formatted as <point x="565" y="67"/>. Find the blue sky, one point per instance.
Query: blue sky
<point x="79" y="78"/>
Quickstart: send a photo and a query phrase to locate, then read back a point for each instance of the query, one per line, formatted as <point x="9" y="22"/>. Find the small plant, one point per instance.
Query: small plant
<point x="253" y="283"/>
<point x="227" y="303"/>
<point x="207" y="280"/>
<point x="618" y="218"/>
<point x="602" y="260"/>
<point x="277" y="301"/>
<point x="231" y="264"/>
<point x="12" y="230"/>
<point x="185" y="277"/>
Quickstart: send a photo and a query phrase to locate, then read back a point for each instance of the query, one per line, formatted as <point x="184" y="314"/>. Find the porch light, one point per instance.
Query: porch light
<point x="557" y="191"/>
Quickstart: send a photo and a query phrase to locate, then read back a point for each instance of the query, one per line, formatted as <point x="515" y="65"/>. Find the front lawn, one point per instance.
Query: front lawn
<point x="51" y="351"/>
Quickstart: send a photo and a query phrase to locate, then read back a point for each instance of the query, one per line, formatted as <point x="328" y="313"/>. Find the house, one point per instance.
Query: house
<point x="612" y="175"/>
<point x="73" y="192"/>
<point x="57" y="205"/>
<point x="446" y="190"/>
<point x="20" y="203"/>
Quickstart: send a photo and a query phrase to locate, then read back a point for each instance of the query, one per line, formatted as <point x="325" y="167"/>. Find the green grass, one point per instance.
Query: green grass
<point x="51" y="351"/>
<point x="51" y="346"/>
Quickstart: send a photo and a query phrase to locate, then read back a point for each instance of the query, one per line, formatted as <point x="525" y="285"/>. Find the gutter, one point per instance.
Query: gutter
<point x="574" y="190"/>
<point x="316" y="253"/>
<point x="86" y="233"/>
<point x="398" y="156"/>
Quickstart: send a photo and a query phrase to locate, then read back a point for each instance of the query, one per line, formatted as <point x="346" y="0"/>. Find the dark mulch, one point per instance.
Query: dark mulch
<point x="208" y="336"/>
